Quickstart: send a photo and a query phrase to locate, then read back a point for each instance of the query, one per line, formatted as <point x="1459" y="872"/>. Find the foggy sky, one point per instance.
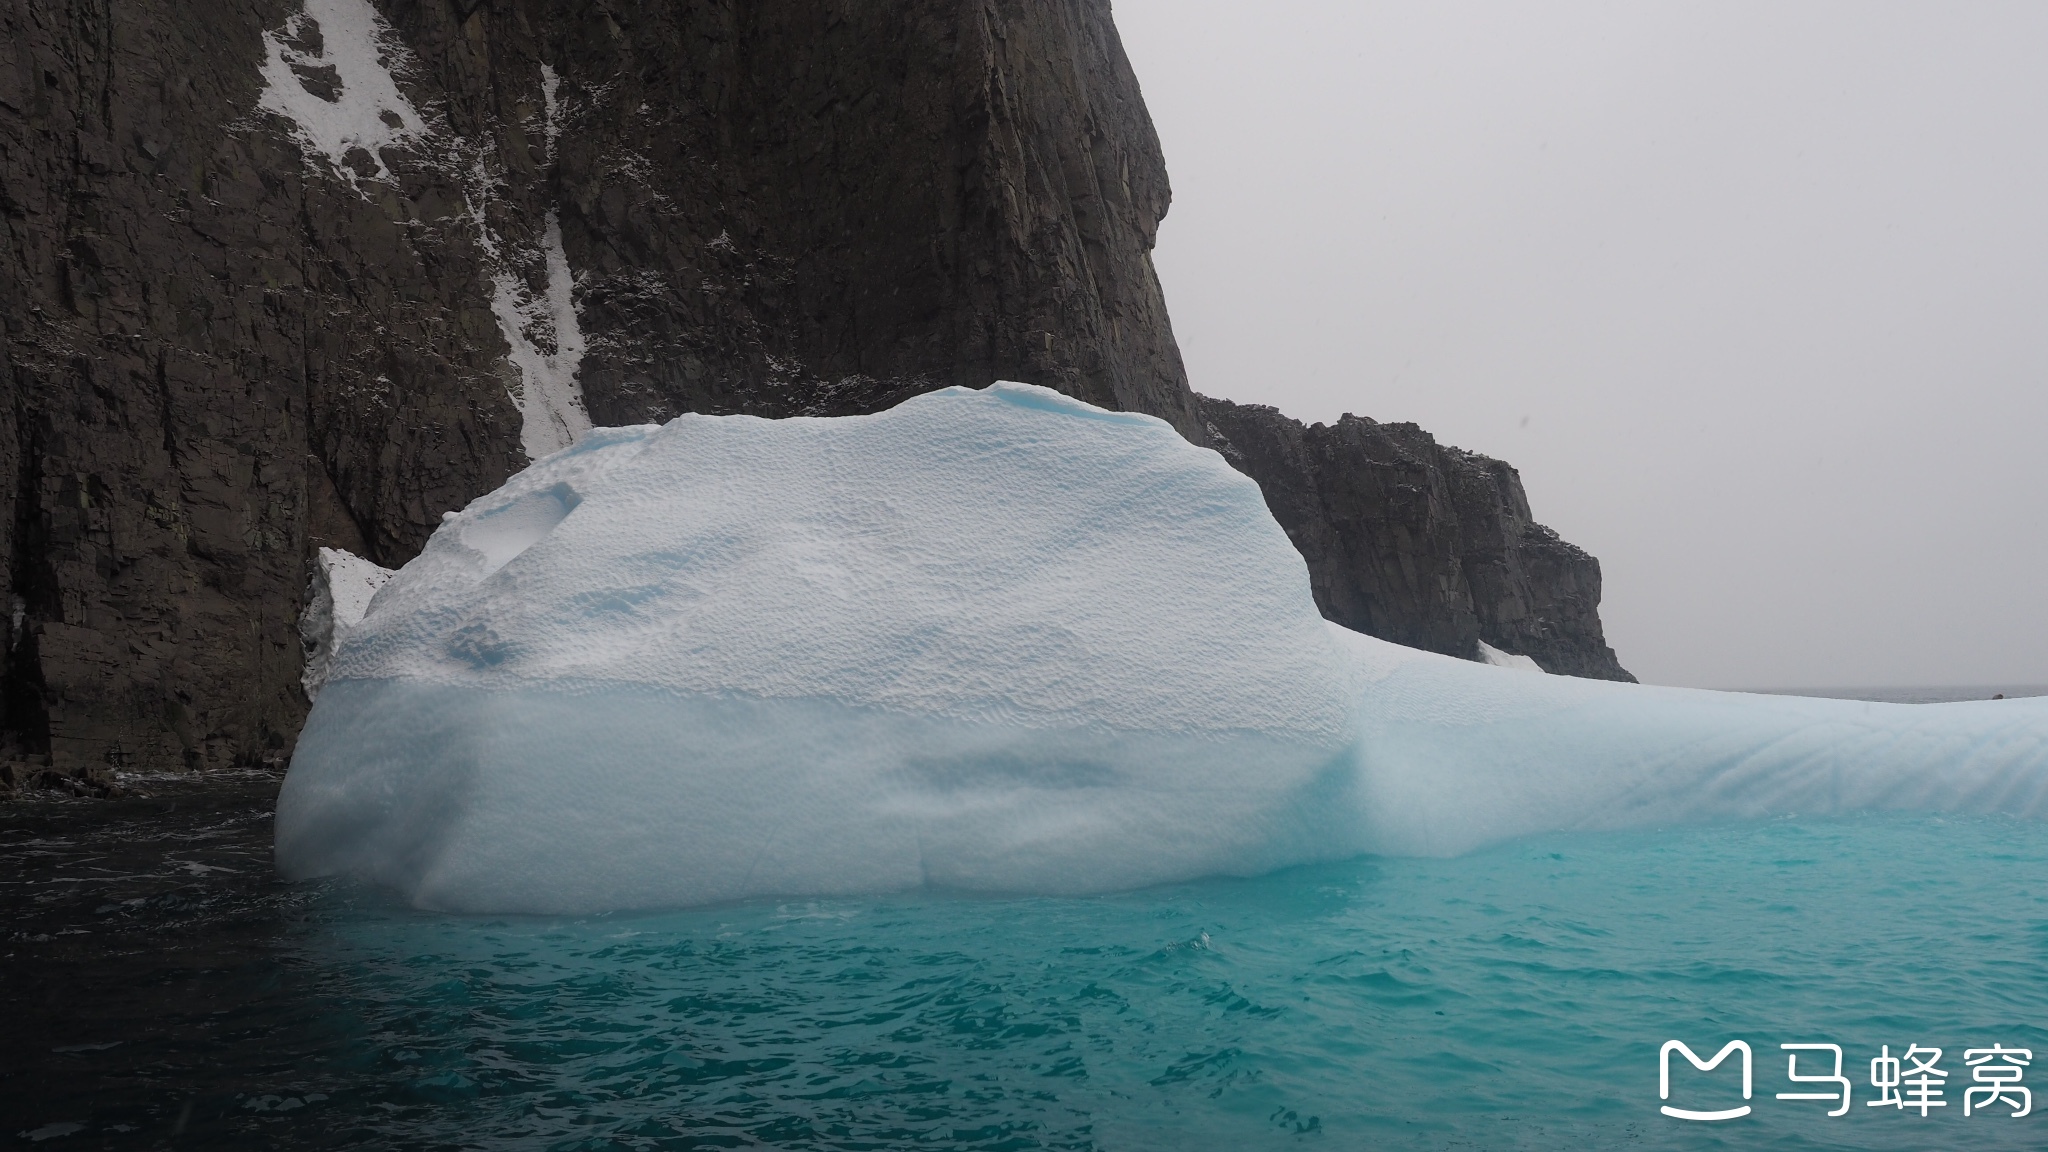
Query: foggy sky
<point x="1755" y="295"/>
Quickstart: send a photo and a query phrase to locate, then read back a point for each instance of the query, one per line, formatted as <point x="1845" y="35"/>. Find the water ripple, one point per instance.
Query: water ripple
<point x="158" y="981"/>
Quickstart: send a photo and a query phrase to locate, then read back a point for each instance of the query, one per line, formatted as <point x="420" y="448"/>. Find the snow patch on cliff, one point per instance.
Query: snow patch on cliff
<point x="1488" y="654"/>
<point x="331" y="72"/>
<point x="545" y="339"/>
<point x="551" y="104"/>
<point x="541" y="329"/>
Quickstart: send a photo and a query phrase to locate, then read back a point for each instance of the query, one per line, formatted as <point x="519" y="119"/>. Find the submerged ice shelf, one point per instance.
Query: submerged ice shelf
<point x="989" y="640"/>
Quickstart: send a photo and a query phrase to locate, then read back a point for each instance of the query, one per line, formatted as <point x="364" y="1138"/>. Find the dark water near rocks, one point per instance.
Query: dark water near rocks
<point x="145" y="951"/>
<point x="160" y="989"/>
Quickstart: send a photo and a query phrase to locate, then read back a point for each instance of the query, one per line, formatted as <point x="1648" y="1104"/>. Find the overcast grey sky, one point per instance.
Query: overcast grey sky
<point x="1754" y="294"/>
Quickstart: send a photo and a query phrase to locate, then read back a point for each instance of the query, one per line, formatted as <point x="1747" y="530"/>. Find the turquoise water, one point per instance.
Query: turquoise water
<point x="1513" y="999"/>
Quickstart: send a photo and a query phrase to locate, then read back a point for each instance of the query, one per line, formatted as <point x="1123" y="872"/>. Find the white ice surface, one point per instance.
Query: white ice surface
<point x="1453" y="755"/>
<point x="371" y="113"/>
<point x="996" y="641"/>
<point x="342" y="587"/>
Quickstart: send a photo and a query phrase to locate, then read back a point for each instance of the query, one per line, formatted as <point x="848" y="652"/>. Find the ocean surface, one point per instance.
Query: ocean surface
<point x="162" y="990"/>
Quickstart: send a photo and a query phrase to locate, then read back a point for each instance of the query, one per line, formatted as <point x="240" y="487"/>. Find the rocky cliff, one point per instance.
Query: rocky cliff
<point x="283" y="274"/>
<point x="1420" y="543"/>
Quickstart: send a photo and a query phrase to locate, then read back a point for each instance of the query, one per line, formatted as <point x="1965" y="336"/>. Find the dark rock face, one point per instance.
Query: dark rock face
<point x="223" y="346"/>
<point x="1419" y="543"/>
<point x="213" y="361"/>
<point x="222" y="350"/>
<point x="824" y="207"/>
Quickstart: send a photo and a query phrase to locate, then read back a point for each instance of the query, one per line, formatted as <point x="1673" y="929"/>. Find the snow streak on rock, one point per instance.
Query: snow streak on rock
<point x="542" y="330"/>
<point x="329" y="72"/>
<point x="550" y="91"/>
<point x="547" y="346"/>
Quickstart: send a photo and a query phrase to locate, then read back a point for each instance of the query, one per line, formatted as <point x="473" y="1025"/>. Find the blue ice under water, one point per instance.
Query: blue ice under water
<point x="1514" y="998"/>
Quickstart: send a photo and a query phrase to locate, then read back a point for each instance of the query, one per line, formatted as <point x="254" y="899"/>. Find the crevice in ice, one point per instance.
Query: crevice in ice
<point x="501" y="534"/>
<point x="330" y="72"/>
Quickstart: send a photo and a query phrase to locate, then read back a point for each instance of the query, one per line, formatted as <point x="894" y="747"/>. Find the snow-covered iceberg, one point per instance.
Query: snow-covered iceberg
<point x="994" y="639"/>
<point x="991" y="640"/>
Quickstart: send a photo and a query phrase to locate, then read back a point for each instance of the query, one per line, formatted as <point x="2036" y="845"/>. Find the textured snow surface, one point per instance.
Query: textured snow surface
<point x="342" y="586"/>
<point x="1454" y="755"/>
<point x="356" y="52"/>
<point x="995" y="641"/>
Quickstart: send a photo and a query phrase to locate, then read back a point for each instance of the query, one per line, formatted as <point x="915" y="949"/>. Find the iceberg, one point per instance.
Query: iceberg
<point x="1454" y="755"/>
<point x="988" y="640"/>
<point x="995" y="640"/>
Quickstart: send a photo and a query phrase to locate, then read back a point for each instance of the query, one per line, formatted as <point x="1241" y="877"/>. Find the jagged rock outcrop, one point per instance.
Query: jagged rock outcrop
<point x="284" y="274"/>
<point x="1417" y="542"/>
